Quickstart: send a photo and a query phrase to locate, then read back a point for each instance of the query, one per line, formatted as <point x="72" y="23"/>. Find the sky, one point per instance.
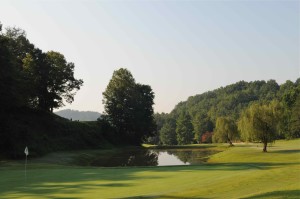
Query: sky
<point x="179" y="48"/>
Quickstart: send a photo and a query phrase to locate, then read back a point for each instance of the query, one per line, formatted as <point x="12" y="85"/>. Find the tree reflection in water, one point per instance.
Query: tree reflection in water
<point x="133" y="157"/>
<point x="146" y="157"/>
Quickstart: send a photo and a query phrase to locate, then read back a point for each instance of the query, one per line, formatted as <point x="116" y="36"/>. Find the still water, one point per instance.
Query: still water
<point x="147" y="157"/>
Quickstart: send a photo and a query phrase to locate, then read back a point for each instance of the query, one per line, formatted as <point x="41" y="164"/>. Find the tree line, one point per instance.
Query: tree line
<point x="245" y="111"/>
<point x="33" y="83"/>
<point x="33" y="78"/>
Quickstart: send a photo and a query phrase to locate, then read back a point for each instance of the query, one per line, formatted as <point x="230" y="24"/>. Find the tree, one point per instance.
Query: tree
<point x="14" y="87"/>
<point x="184" y="129"/>
<point x="201" y="124"/>
<point x="225" y="131"/>
<point x="167" y="133"/>
<point x="206" y="137"/>
<point x="128" y="106"/>
<point x="53" y="79"/>
<point x="160" y="120"/>
<point x="259" y="122"/>
<point x="295" y="119"/>
<point x="288" y="99"/>
<point x="9" y="77"/>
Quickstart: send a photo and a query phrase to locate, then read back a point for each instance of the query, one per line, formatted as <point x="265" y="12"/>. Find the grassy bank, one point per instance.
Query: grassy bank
<point x="242" y="171"/>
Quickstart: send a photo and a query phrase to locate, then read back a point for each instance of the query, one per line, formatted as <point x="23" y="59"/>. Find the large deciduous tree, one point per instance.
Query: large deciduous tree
<point x="34" y="78"/>
<point x="53" y="79"/>
<point x="259" y="122"/>
<point x="128" y="106"/>
<point x="225" y="130"/>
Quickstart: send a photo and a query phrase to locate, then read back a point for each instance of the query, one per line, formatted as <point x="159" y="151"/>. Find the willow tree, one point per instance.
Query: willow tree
<point x="225" y="130"/>
<point x="259" y="122"/>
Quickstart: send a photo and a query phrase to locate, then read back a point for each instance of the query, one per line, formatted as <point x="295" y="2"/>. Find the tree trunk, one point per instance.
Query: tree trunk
<point x="265" y="147"/>
<point x="230" y="143"/>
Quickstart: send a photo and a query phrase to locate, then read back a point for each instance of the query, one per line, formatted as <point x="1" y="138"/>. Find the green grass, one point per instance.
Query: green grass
<point x="242" y="171"/>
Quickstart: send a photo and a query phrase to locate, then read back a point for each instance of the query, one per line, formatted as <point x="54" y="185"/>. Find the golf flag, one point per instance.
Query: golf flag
<point x="26" y="151"/>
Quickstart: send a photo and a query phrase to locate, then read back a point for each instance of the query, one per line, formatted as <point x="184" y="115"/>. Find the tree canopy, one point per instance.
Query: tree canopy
<point x="259" y="122"/>
<point x="32" y="77"/>
<point x="184" y="129"/>
<point x="128" y="106"/>
<point x="230" y="101"/>
<point x="225" y="130"/>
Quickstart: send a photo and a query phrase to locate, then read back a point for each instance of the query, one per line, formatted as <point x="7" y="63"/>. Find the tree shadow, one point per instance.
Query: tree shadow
<point x="226" y="166"/>
<point x="286" y="151"/>
<point x="160" y="196"/>
<point x="46" y="182"/>
<point x="291" y="194"/>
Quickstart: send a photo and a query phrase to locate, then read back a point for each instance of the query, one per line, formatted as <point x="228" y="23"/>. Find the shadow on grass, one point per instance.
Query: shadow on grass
<point x="69" y="182"/>
<point x="291" y="194"/>
<point x="234" y="166"/>
<point x="286" y="151"/>
<point x="162" y="196"/>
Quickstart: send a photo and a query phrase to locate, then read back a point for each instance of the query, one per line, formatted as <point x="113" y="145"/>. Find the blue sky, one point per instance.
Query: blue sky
<point x="179" y="48"/>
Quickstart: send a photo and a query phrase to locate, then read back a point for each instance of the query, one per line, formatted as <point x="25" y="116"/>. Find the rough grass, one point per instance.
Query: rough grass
<point x="242" y="171"/>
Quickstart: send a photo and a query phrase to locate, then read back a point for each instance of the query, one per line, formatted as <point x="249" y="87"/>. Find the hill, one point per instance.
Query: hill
<point x="229" y="101"/>
<point x="78" y="115"/>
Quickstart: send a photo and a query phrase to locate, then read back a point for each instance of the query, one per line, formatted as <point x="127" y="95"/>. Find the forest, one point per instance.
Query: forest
<point x="204" y="118"/>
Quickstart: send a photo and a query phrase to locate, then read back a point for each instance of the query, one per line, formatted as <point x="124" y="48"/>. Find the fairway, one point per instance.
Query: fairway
<point x="242" y="171"/>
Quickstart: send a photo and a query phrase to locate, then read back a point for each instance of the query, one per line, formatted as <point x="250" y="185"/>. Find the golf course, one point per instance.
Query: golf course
<point x="242" y="171"/>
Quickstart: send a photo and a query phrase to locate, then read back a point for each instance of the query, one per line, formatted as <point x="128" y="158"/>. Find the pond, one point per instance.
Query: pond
<point x="146" y="157"/>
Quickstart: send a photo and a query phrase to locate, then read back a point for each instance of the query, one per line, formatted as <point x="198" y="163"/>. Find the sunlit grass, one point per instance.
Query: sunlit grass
<point x="238" y="172"/>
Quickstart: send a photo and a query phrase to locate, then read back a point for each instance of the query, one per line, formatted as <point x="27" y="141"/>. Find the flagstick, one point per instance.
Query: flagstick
<point x="25" y="168"/>
<point x="26" y="153"/>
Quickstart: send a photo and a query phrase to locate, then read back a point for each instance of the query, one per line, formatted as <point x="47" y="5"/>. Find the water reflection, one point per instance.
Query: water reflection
<point x="191" y="156"/>
<point x="167" y="159"/>
<point x="131" y="157"/>
<point x="147" y="157"/>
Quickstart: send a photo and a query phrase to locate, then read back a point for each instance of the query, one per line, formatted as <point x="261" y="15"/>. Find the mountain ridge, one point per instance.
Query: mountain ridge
<point x="78" y="115"/>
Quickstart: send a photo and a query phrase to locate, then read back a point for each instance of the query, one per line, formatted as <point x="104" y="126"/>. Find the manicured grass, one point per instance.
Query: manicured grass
<point x="242" y="171"/>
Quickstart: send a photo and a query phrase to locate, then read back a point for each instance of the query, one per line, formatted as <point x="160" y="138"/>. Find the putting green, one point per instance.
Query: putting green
<point x="242" y="171"/>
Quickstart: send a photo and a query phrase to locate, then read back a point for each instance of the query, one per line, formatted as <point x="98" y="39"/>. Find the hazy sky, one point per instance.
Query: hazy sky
<point x="179" y="48"/>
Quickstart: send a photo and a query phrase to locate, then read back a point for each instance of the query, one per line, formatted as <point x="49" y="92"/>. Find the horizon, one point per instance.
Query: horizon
<point x="180" y="49"/>
<point x="63" y="108"/>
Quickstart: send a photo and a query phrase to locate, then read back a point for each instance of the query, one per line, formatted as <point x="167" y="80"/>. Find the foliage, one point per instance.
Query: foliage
<point x="232" y="100"/>
<point x="201" y="123"/>
<point x="167" y="133"/>
<point x="225" y="131"/>
<point x="184" y="129"/>
<point x="34" y="78"/>
<point x="128" y="106"/>
<point x="289" y="93"/>
<point x="207" y="137"/>
<point x="52" y="78"/>
<point x="31" y="80"/>
<point x="295" y="119"/>
<point x="45" y="132"/>
<point x="259" y="122"/>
